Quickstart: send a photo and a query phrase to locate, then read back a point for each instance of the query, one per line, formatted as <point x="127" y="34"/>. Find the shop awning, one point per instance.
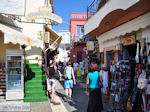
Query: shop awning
<point x="55" y="39"/>
<point x="14" y="36"/>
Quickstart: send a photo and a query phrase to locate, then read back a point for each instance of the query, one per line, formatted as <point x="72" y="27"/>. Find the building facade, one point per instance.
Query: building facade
<point x="113" y="26"/>
<point x="64" y="47"/>
<point x="77" y="22"/>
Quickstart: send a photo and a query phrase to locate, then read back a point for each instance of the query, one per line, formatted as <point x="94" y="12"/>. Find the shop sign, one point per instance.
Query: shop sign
<point x="90" y="45"/>
<point x="14" y="7"/>
<point x="129" y="40"/>
<point x="44" y="13"/>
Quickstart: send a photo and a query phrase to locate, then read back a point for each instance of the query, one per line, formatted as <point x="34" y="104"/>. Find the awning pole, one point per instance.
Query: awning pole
<point x="55" y="42"/>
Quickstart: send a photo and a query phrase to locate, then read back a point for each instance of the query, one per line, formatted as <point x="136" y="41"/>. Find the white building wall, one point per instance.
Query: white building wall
<point x="63" y="53"/>
<point x="110" y="6"/>
<point x="31" y="29"/>
<point x="65" y="37"/>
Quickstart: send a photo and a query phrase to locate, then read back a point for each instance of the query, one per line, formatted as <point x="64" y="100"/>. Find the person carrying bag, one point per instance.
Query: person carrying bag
<point x="93" y="86"/>
<point x="69" y="80"/>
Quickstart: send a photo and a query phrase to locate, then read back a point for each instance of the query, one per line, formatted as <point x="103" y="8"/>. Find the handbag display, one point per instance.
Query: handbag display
<point x="148" y="89"/>
<point x="117" y="97"/>
<point x="142" y="81"/>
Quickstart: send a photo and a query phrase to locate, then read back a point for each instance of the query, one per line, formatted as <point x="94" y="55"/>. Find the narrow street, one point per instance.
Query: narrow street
<point x="78" y="103"/>
<point x="80" y="97"/>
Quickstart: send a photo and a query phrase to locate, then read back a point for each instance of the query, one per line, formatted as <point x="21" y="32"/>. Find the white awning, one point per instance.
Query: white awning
<point x="55" y="39"/>
<point x="14" y="36"/>
<point x="133" y="25"/>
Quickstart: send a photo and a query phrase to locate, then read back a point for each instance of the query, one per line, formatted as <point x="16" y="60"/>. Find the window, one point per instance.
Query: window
<point x="80" y="29"/>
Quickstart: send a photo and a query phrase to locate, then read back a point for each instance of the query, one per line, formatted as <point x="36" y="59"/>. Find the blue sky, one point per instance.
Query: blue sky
<point x="63" y="8"/>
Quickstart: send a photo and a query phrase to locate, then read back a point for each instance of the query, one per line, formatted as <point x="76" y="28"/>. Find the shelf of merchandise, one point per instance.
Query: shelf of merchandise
<point x="2" y="83"/>
<point x="14" y="77"/>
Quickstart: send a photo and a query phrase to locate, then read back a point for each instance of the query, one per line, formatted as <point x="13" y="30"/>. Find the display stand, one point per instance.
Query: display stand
<point x="14" y="75"/>
<point x="2" y="82"/>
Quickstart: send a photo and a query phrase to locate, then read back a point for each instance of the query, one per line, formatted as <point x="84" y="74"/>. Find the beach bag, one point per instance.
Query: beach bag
<point x="142" y="81"/>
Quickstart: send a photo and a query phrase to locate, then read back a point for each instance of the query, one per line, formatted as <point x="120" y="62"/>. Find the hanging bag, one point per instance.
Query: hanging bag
<point x="142" y="81"/>
<point x="148" y="89"/>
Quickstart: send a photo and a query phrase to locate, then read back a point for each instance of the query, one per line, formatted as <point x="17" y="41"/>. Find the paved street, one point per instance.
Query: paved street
<point x="78" y="104"/>
<point x="80" y="99"/>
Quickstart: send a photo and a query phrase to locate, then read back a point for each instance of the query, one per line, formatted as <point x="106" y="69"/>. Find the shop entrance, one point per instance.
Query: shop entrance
<point x="109" y="58"/>
<point x="129" y="51"/>
<point x="79" y="56"/>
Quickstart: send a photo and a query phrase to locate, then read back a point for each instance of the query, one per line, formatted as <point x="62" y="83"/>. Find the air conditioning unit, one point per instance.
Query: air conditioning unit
<point x="46" y="37"/>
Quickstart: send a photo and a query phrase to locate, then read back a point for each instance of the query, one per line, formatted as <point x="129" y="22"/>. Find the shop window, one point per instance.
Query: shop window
<point x="102" y="58"/>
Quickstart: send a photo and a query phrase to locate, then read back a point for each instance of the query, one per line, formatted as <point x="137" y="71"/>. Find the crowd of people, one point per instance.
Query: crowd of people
<point x="69" y="72"/>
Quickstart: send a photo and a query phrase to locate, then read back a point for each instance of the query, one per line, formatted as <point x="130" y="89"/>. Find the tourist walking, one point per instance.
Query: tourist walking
<point x="82" y="69"/>
<point x="69" y="80"/>
<point x="75" y="67"/>
<point x="93" y="87"/>
<point x="51" y="73"/>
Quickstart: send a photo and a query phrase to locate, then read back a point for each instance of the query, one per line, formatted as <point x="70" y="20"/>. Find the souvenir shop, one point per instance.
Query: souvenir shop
<point x="129" y="78"/>
<point x="12" y="45"/>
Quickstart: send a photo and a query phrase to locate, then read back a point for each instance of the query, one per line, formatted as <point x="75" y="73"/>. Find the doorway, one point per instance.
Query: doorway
<point x="79" y="56"/>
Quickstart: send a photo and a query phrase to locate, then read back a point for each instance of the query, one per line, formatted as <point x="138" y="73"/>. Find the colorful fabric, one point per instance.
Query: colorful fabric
<point x="78" y="72"/>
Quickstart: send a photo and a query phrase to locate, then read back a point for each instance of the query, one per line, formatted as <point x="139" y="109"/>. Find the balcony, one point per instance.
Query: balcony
<point x="94" y="7"/>
<point x="106" y="13"/>
<point x="77" y="38"/>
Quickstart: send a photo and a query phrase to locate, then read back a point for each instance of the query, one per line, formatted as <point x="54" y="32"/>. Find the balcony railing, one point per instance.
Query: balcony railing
<point x="94" y="7"/>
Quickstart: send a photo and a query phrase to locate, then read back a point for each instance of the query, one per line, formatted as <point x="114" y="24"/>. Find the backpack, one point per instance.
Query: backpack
<point x="68" y="74"/>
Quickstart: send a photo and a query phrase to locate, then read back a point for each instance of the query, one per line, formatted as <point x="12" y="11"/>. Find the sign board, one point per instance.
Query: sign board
<point x="13" y="7"/>
<point x="90" y="45"/>
<point x="44" y="13"/>
<point x="129" y="40"/>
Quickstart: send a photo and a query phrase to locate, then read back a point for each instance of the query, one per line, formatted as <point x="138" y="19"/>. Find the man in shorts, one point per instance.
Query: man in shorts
<point x="51" y="73"/>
